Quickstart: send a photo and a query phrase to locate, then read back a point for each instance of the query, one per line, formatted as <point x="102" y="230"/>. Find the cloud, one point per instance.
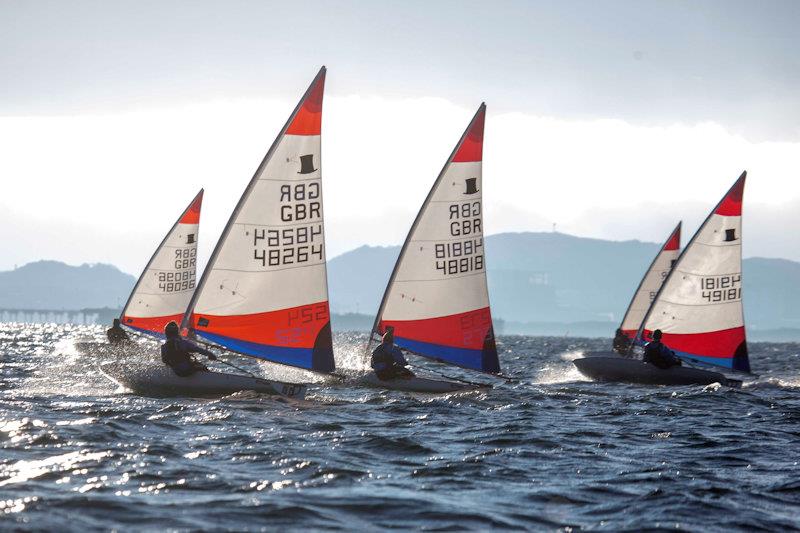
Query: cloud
<point x="106" y="187"/>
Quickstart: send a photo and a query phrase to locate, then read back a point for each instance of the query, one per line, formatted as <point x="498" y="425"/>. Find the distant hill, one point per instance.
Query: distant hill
<point x="557" y="278"/>
<point x="540" y="283"/>
<point x="54" y="285"/>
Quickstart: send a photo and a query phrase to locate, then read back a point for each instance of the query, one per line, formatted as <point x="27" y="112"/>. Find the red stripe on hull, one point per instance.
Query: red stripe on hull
<point x="720" y="344"/>
<point x="155" y="324"/>
<point x="192" y="214"/>
<point x="296" y="327"/>
<point x="463" y="330"/>
<point x="731" y="205"/>
<point x="308" y="120"/>
<point x="472" y="147"/>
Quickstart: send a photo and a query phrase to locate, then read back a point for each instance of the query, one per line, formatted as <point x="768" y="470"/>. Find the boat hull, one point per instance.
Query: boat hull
<point x="420" y="384"/>
<point x="161" y="381"/>
<point x="619" y="369"/>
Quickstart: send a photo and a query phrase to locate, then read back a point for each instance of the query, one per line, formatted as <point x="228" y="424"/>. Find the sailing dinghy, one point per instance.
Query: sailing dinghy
<point x="264" y="292"/>
<point x="698" y="308"/>
<point x="437" y="299"/>
<point x="164" y="287"/>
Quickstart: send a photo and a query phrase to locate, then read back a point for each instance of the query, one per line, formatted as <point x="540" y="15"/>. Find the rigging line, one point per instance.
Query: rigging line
<point x="474" y="383"/>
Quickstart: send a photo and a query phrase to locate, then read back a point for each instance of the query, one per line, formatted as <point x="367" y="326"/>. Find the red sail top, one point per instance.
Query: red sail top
<point x="471" y="148"/>
<point x="731" y="205"/>
<point x="674" y="242"/>
<point x="308" y="120"/>
<point x="192" y="213"/>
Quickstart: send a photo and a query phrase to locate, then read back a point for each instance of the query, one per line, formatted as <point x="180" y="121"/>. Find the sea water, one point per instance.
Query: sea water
<point x="549" y="450"/>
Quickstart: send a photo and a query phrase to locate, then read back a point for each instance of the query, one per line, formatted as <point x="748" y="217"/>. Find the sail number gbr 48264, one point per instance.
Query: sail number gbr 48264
<point x="299" y="239"/>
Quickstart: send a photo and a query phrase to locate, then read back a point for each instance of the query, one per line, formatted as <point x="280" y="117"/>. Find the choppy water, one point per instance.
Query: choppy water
<point x="547" y="452"/>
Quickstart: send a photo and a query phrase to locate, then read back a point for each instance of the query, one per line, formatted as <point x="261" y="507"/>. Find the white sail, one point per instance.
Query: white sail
<point x="264" y="292"/>
<point x="437" y="300"/>
<point x="699" y="307"/>
<point x="651" y="283"/>
<point x="168" y="281"/>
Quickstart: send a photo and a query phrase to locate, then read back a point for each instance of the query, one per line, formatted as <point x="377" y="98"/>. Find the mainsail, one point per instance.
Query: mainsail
<point x="699" y="307"/>
<point x="651" y="282"/>
<point x="264" y="292"/>
<point x="167" y="282"/>
<point x="437" y="300"/>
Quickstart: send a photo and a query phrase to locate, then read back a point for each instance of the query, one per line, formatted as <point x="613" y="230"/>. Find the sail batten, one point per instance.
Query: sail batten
<point x="437" y="298"/>
<point x="264" y="292"/>
<point x="699" y="306"/>
<point x="167" y="282"/>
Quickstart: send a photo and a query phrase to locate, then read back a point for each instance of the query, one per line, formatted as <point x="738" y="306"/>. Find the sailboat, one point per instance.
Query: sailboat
<point x="698" y="308"/>
<point x="166" y="284"/>
<point x="645" y="293"/>
<point x="264" y="291"/>
<point x="437" y="299"/>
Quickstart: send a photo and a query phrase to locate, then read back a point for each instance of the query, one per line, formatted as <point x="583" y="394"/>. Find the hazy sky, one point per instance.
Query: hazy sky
<point x="611" y="119"/>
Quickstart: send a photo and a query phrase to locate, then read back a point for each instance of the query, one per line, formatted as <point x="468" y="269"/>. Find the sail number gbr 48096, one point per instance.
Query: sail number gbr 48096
<point x="462" y="256"/>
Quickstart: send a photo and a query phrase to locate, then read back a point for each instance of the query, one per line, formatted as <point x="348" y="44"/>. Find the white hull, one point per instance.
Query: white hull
<point x="160" y="380"/>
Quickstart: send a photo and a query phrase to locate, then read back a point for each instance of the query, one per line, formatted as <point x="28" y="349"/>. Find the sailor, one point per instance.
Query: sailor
<point x="175" y="353"/>
<point x="622" y="342"/>
<point x="657" y="354"/>
<point x="117" y="335"/>
<point x="388" y="361"/>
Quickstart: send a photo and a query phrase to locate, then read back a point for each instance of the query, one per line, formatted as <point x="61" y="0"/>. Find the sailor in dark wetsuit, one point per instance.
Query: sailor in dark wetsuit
<point x="176" y="353"/>
<point x="622" y="343"/>
<point x="388" y="361"/>
<point x="117" y="335"/>
<point x="657" y="354"/>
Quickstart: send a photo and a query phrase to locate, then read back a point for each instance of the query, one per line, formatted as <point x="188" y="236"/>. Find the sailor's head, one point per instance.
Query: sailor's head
<point x="657" y="335"/>
<point x="388" y="337"/>
<point x="171" y="330"/>
<point x="619" y="332"/>
<point x="116" y="322"/>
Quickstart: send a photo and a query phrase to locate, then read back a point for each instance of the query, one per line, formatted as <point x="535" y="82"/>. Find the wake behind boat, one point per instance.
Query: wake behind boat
<point x="151" y="379"/>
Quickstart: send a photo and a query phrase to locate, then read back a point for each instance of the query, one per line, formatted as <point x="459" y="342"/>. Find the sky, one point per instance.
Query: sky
<point x="608" y="119"/>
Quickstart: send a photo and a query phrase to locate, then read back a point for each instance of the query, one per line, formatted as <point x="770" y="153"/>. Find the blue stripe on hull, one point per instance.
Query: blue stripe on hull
<point x="458" y="356"/>
<point x="300" y="357"/>
<point x="722" y="362"/>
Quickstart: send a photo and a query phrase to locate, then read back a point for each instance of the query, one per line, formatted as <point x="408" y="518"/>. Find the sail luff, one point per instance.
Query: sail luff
<point x="196" y="202"/>
<point x="242" y="200"/>
<point x="393" y="276"/>
<point x="729" y="207"/>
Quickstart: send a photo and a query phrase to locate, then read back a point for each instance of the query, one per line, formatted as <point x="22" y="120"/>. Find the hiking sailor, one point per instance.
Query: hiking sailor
<point x="657" y="354"/>
<point x="176" y="353"/>
<point x="388" y="361"/>
<point x="117" y="335"/>
<point x="622" y="343"/>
